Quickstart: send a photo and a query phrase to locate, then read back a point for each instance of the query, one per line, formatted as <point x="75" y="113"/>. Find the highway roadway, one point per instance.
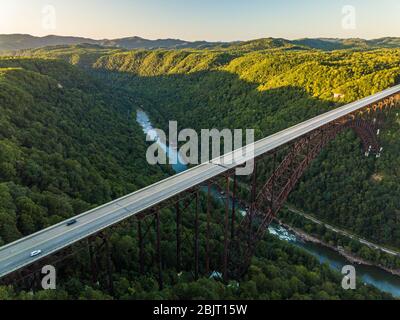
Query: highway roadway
<point x="16" y="255"/>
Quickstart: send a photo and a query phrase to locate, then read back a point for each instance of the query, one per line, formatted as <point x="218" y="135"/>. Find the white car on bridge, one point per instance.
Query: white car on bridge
<point x="35" y="253"/>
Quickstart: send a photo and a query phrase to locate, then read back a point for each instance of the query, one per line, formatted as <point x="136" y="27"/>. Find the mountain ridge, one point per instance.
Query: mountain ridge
<point x="9" y="42"/>
<point x="27" y="41"/>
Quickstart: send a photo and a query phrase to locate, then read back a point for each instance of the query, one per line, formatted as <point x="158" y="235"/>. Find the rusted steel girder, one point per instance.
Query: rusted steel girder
<point x="158" y="250"/>
<point x="208" y="228"/>
<point x="226" y="233"/>
<point x="141" y="245"/>
<point x="196" y="237"/>
<point x="233" y="215"/>
<point x="269" y="200"/>
<point x="178" y="237"/>
<point x="93" y="261"/>
<point x="284" y="178"/>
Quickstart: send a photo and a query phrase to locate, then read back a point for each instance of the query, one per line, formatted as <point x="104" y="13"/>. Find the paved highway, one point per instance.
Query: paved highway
<point x="17" y="254"/>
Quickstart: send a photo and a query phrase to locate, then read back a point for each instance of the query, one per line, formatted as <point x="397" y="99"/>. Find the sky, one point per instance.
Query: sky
<point x="212" y="20"/>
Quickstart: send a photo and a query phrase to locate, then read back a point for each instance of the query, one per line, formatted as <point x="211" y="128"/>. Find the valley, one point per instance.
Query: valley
<point x="69" y="141"/>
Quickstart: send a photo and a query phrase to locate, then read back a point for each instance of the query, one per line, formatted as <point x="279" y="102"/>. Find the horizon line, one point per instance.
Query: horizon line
<point x="181" y="39"/>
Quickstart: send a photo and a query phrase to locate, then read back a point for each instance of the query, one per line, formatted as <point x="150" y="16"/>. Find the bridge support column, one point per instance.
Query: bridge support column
<point x="109" y="266"/>
<point x="141" y="245"/>
<point x="226" y="232"/>
<point x="233" y="218"/>
<point x="196" y="237"/>
<point x="208" y="228"/>
<point x="92" y="258"/>
<point x="253" y="203"/>
<point x="273" y="183"/>
<point x="29" y="282"/>
<point x="38" y="279"/>
<point x="158" y="248"/>
<point x="178" y="237"/>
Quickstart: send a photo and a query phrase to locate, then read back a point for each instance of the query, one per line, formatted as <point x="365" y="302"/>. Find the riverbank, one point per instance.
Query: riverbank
<point x="344" y="233"/>
<point x="352" y="258"/>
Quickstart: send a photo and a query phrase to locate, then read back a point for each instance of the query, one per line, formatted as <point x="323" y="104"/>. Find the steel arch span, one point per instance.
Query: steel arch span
<point x="304" y="140"/>
<point x="266" y="203"/>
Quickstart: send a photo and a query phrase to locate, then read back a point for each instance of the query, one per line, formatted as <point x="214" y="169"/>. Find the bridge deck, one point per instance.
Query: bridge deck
<point x="16" y="255"/>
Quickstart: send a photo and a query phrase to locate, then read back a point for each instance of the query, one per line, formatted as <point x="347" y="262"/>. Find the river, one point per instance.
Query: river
<point x="375" y="276"/>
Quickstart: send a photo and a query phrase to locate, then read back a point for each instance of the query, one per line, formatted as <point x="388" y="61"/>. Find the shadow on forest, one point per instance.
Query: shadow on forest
<point x="219" y="99"/>
<point x="337" y="187"/>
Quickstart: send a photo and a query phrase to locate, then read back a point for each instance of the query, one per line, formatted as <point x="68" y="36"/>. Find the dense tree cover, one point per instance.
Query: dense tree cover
<point x="313" y="43"/>
<point x="160" y="62"/>
<point x="265" y="44"/>
<point x="83" y="55"/>
<point x="358" y="194"/>
<point x="353" y="44"/>
<point x="269" y="91"/>
<point x="353" y="74"/>
<point x="337" y="240"/>
<point x="64" y="146"/>
<point x="68" y="141"/>
<point x="279" y="271"/>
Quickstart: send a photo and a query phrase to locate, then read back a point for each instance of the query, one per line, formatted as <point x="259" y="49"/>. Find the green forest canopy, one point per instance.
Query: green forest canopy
<point x="68" y="142"/>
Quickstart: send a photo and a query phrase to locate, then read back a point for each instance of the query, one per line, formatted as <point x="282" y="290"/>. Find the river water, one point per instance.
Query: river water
<point x="377" y="277"/>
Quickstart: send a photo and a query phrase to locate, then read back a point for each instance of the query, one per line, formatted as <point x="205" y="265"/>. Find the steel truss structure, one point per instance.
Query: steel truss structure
<point x="240" y="237"/>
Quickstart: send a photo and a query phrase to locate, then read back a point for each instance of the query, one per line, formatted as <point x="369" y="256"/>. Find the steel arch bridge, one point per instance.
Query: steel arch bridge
<point x="301" y="145"/>
<point x="268" y="201"/>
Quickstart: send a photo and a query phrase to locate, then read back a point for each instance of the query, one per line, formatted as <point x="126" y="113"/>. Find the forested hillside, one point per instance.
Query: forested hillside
<point x="279" y="272"/>
<point x="270" y="91"/>
<point x="83" y="55"/>
<point x="65" y="145"/>
<point x="25" y="41"/>
<point x="68" y="141"/>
